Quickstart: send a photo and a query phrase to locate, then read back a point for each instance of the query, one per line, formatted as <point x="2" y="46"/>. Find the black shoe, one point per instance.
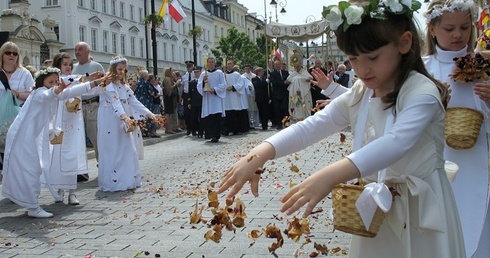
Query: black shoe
<point x="214" y="140"/>
<point x="188" y="132"/>
<point x="82" y="178"/>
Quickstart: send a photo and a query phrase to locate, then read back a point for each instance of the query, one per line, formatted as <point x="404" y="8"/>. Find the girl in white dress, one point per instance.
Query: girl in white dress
<point x="118" y="155"/>
<point x="27" y="147"/>
<point x="68" y="158"/>
<point x="450" y="27"/>
<point x="396" y="111"/>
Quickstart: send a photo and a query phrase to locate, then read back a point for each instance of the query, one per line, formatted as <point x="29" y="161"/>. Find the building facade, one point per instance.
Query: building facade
<point x="116" y="27"/>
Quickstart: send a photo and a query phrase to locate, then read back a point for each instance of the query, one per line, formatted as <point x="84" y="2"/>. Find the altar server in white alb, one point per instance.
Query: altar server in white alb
<point x="234" y="100"/>
<point x="68" y="158"/>
<point x="450" y="35"/>
<point x="119" y="168"/>
<point x="27" y="150"/>
<point x="212" y="86"/>
<point x="253" y="110"/>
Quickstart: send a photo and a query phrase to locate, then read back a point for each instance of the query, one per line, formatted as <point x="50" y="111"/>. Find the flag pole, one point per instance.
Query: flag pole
<point x="153" y="41"/>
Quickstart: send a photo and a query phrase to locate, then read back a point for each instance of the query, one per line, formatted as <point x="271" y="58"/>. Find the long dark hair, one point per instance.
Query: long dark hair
<point x="373" y="33"/>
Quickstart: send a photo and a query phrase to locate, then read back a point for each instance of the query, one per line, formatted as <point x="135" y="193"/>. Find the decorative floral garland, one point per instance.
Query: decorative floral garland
<point x="118" y="60"/>
<point x="46" y="71"/>
<point x="461" y="5"/>
<point x="347" y="14"/>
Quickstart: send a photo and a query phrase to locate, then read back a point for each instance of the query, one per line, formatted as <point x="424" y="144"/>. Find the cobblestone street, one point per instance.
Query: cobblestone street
<point x="153" y="221"/>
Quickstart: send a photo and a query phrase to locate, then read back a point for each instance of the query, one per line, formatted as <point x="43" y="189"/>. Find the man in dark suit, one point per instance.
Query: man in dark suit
<point x="280" y="93"/>
<point x="195" y="106"/>
<point x="262" y="96"/>
<point x="316" y="92"/>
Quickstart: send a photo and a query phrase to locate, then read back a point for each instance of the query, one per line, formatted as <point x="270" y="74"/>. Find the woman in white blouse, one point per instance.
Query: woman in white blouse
<point x="19" y="78"/>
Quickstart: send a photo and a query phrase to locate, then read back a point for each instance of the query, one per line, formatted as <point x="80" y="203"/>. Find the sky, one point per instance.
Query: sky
<point x="298" y="11"/>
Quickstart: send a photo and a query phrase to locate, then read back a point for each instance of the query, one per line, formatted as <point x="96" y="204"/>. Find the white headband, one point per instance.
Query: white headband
<point x="118" y="60"/>
<point x="461" y="5"/>
<point x="47" y="70"/>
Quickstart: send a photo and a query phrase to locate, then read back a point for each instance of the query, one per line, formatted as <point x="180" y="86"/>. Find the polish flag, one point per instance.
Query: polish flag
<point x="175" y="10"/>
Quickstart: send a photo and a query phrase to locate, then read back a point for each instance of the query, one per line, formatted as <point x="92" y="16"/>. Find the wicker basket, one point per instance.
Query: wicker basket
<point x="346" y="217"/>
<point x="462" y="127"/>
<point x="73" y="106"/>
<point x="58" y="139"/>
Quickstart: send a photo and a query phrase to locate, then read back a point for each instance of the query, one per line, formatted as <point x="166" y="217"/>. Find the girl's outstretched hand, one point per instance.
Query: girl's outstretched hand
<point x="247" y="170"/>
<point x="318" y="186"/>
<point x="311" y="191"/>
<point x="321" y="80"/>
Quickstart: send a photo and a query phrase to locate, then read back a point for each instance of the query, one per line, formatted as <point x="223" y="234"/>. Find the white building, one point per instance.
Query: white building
<point x="115" y="27"/>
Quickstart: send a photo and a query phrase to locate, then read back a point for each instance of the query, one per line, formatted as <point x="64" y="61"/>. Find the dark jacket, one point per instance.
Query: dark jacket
<point x="279" y="89"/>
<point x="194" y="95"/>
<point x="262" y="89"/>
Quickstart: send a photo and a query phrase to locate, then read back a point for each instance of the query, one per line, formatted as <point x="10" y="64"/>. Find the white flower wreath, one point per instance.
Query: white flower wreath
<point x="46" y="71"/>
<point x="118" y="60"/>
<point x="353" y="14"/>
<point x="461" y="5"/>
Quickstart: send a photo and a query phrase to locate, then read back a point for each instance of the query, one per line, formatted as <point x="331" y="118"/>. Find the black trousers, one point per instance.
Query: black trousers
<point x="281" y="106"/>
<point x="264" y="113"/>
<point x="196" y="123"/>
<point x="212" y="126"/>
<point x="187" y="111"/>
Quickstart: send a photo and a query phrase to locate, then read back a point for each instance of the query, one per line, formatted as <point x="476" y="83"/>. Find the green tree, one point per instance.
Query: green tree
<point x="237" y="46"/>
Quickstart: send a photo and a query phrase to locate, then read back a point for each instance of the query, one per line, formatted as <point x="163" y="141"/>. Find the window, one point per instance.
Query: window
<point x="80" y="3"/>
<point x="93" y="5"/>
<point x="123" y="45"/>
<point x="183" y="29"/>
<point x="52" y="3"/>
<point x="185" y="54"/>
<point x="216" y="30"/>
<point x="113" y="6"/>
<point x="114" y="42"/>
<point x="132" y="42"/>
<point x="142" y="47"/>
<point x="209" y="35"/>
<point x="165" y="51"/>
<point x="222" y="32"/>
<point x="121" y="10"/>
<point x="172" y="52"/>
<point x="141" y="18"/>
<point x="131" y="12"/>
<point x="57" y="32"/>
<point x="191" y="54"/>
<point x="105" y="41"/>
<point x="104" y="6"/>
<point x="93" y="38"/>
<point x="81" y="33"/>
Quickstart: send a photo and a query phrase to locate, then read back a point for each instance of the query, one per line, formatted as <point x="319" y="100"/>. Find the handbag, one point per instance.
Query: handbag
<point x="9" y="109"/>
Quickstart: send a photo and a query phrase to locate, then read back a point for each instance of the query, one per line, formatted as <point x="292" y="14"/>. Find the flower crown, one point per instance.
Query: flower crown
<point x="461" y="5"/>
<point x="118" y="60"/>
<point x="46" y="71"/>
<point x="347" y="14"/>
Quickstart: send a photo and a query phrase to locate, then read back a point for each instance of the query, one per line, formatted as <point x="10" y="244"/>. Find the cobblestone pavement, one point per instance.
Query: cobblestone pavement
<point x="153" y="221"/>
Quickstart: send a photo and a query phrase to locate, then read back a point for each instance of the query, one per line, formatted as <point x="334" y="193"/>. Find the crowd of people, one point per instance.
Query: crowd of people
<point x="395" y="101"/>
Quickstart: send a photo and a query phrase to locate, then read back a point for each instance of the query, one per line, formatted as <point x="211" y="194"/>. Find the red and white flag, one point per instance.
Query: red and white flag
<point x="176" y="11"/>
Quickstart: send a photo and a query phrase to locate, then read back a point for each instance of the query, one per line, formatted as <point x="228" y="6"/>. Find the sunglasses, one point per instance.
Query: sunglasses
<point x="9" y="53"/>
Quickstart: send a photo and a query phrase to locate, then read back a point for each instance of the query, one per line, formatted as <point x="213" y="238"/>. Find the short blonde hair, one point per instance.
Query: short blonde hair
<point x="9" y="46"/>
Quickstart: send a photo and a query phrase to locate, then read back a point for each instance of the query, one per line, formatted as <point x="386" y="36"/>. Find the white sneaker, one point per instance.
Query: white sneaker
<point x="38" y="213"/>
<point x="61" y="193"/>
<point x="72" y="199"/>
